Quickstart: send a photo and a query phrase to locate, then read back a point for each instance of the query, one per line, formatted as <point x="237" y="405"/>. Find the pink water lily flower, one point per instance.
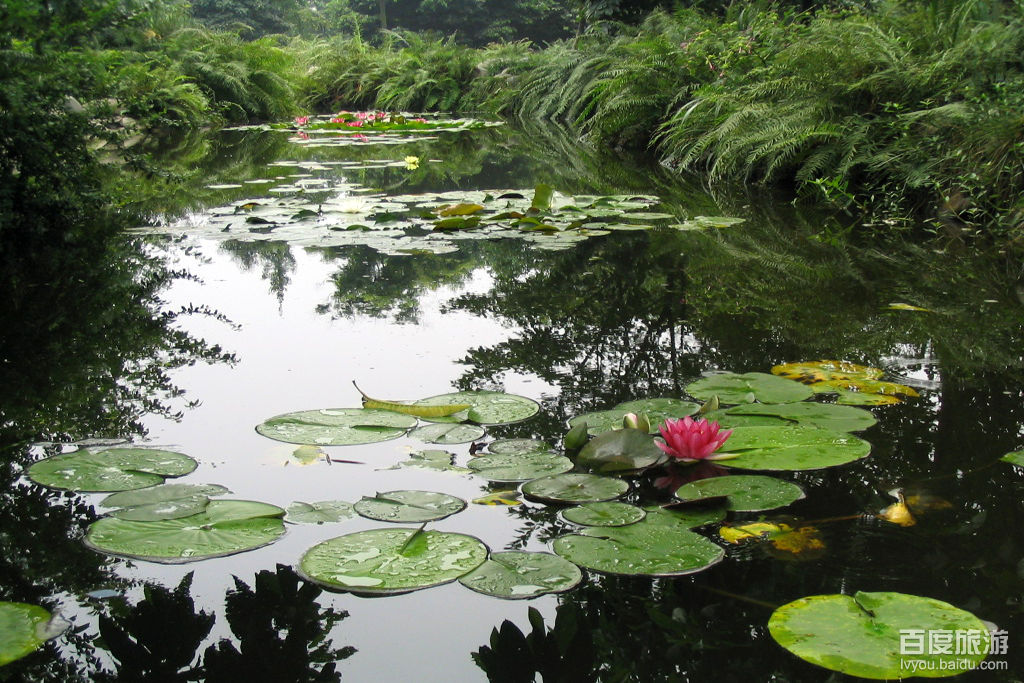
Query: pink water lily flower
<point x="355" y="124"/>
<point x="690" y="440"/>
<point x="301" y="120"/>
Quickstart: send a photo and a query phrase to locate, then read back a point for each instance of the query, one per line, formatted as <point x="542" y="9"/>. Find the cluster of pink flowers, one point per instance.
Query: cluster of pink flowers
<point x="690" y="440"/>
<point x="301" y="120"/>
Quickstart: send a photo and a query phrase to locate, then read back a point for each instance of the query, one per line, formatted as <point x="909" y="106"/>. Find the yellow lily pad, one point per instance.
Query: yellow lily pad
<point x="810" y="372"/>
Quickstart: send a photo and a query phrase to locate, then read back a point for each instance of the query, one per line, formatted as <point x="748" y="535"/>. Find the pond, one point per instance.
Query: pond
<point x="253" y="296"/>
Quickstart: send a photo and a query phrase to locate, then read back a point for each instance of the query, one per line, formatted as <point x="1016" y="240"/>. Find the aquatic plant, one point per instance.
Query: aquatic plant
<point x="690" y="440"/>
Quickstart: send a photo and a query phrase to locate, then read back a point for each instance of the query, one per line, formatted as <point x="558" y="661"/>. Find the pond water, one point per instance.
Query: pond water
<point x="203" y="327"/>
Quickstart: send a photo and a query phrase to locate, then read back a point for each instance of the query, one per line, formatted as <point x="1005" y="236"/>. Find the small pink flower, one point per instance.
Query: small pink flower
<point x="355" y="124"/>
<point x="419" y="120"/>
<point x="361" y="115"/>
<point x="301" y="120"/>
<point x="337" y="119"/>
<point x="690" y="440"/>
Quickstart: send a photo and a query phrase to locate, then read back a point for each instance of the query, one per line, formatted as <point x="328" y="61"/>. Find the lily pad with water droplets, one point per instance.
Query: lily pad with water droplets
<point x="605" y="513"/>
<point x="113" y="469"/>
<point x="514" y="446"/>
<point x="447" y="433"/>
<point x="393" y="560"/>
<point x="825" y="415"/>
<point x="810" y="372"/>
<point x="442" y="461"/>
<point x="21" y="630"/>
<point x="657" y="411"/>
<point x="518" y="575"/>
<point x="226" y="527"/>
<point x="866" y="634"/>
<point x="746" y="493"/>
<point x="409" y="506"/>
<point x="337" y="426"/>
<point x="166" y="501"/>
<point x="319" y="512"/>
<point x="519" y="467"/>
<point x="795" y="447"/>
<point x="732" y="388"/>
<point x="622" y="450"/>
<point x="488" y="407"/>
<point x="574" y="488"/>
<point x="662" y="544"/>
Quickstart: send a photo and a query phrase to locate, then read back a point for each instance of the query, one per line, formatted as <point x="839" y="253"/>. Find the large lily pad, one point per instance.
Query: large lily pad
<point x="394" y="560"/>
<point x="166" y="501"/>
<point x="657" y="410"/>
<point x="519" y="575"/>
<point x="574" y="488"/>
<point x="447" y="433"/>
<point x="488" y="407"/>
<point x="879" y="635"/>
<point x="337" y="426"/>
<point x="225" y="528"/>
<point x="409" y="506"/>
<point x="826" y="415"/>
<point x="662" y="544"/>
<point x="795" y="447"/>
<point x="22" y="629"/>
<point x="113" y="469"/>
<point x="746" y="493"/>
<point x="519" y="467"/>
<point x="731" y="388"/>
<point x="622" y="450"/>
<point x="604" y="513"/>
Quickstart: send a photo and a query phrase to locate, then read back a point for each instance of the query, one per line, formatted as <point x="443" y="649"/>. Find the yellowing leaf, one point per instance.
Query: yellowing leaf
<point x="803" y="540"/>
<point x="508" y="498"/>
<point x="898" y="513"/>
<point x="307" y="455"/>
<point x="460" y="210"/>
<point x="745" y="532"/>
<point x="908" y="307"/>
<point x="867" y="386"/>
<point x="414" y="410"/>
<point x="810" y="372"/>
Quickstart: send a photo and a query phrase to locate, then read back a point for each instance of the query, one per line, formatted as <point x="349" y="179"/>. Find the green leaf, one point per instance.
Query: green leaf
<point x="409" y="506"/>
<point x="574" y="488"/>
<point x="860" y="635"/>
<point x="411" y="409"/>
<point x="21" y="626"/>
<point x="1015" y="458"/>
<point x="113" y="469"/>
<point x="542" y="197"/>
<point x="167" y="501"/>
<point x="519" y="575"/>
<point x="657" y="410"/>
<point x="488" y="407"/>
<point x="225" y="528"/>
<point x="519" y="467"/>
<point x="447" y="433"/>
<point x="372" y="561"/>
<point x="337" y="426"/>
<point x="662" y="544"/>
<point x="319" y="512"/>
<point x="795" y="447"/>
<point x="518" y="446"/>
<point x="622" y="450"/>
<point x="733" y="388"/>
<point x="825" y="415"/>
<point x="746" y="493"/>
<point x="606" y="513"/>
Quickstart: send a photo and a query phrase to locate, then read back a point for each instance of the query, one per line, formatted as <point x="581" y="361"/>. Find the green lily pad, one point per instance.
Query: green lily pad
<point x="489" y="407"/>
<point x="319" y="512"/>
<point x="113" y="469"/>
<point x="728" y="419"/>
<point x="622" y="450"/>
<point x="662" y="544"/>
<point x="519" y="467"/>
<point x="337" y="426"/>
<point x="166" y="501"/>
<point x="21" y="630"/>
<point x="733" y="388"/>
<point x="1015" y="458"/>
<point x="657" y="410"/>
<point x="518" y="446"/>
<point x="878" y="635"/>
<point x="574" y="488"/>
<point x="605" y="513"/>
<point x="442" y="461"/>
<point x="394" y="560"/>
<point x="517" y="575"/>
<point x="746" y="493"/>
<point x="447" y="433"/>
<point x="795" y="447"/>
<point x="409" y="506"/>
<point x="225" y="528"/>
<point x="825" y="415"/>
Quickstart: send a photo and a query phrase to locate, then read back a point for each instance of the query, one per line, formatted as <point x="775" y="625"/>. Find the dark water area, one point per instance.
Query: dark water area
<point x="186" y="338"/>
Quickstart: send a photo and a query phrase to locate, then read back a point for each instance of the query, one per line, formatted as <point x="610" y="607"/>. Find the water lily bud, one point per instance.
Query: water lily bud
<point x="576" y="437"/>
<point x="711" y="405"/>
<point x="634" y="421"/>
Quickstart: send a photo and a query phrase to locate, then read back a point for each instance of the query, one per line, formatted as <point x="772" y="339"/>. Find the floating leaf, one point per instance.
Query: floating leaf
<point x="746" y="493"/>
<point x="898" y="513"/>
<point x="113" y="469"/>
<point x="606" y="513"/>
<point x="442" y="461"/>
<point x="731" y="388"/>
<point x="518" y="575"/>
<point x="409" y="506"/>
<point x="319" y="512"/>
<point x="167" y="501"/>
<point x="865" y="386"/>
<point x="878" y="635"/>
<point x="795" y="447"/>
<point x="460" y="210"/>
<point x="519" y="467"/>
<point x="447" y="433"/>
<point x="411" y="409"/>
<point x="337" y="426"/>
<point x="505" y="498"/>
<point x="574" y="488"/>
<point x="623" y="450"/>
<point x="825" y="415"/>
<point x="1014" y="458"/>
<point x="225" y="528"/>
<point x="907" y="307"/>
<point x="788" y="542"/>
<point x="487" y="407"/>
<point x="657" y="410"/>
<point x="517" y="446"/>
<point x="373" y="561"/>
<point x="307" y="455"/>
<point x="662" y="544"/>
<point x="810" y="372"/>
<point x="21" y="629"/>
